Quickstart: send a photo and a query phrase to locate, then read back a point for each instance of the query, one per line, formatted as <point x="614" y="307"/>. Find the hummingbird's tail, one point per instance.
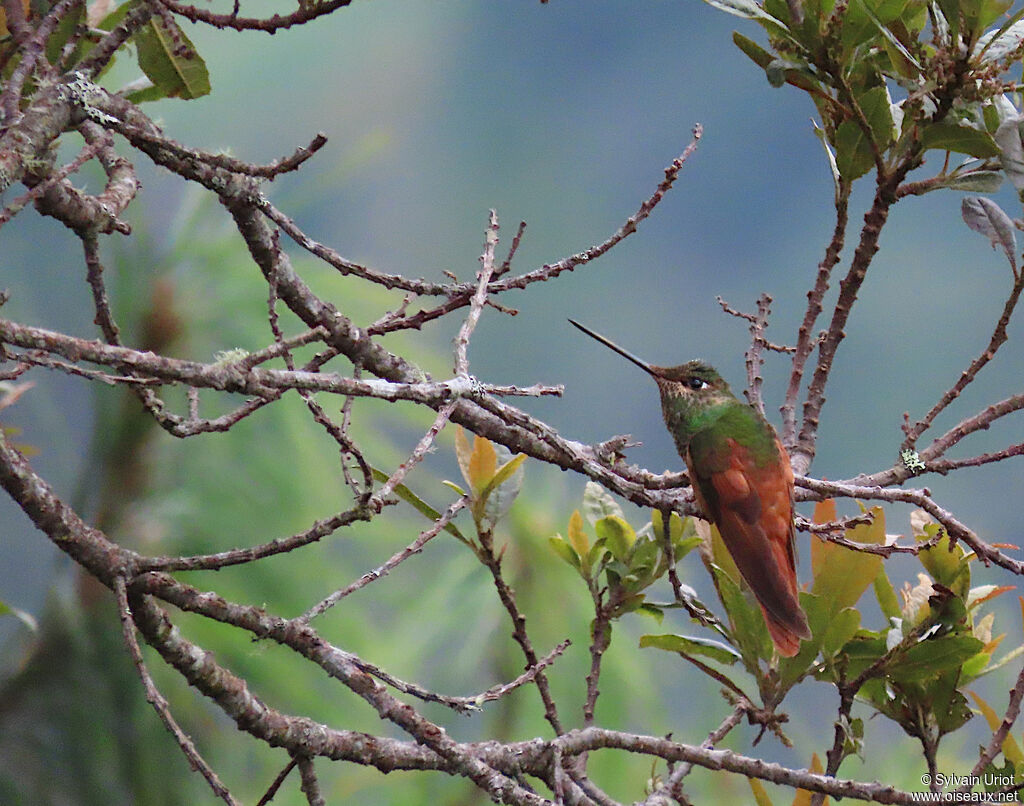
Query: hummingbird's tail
<point x="786" y="635"/>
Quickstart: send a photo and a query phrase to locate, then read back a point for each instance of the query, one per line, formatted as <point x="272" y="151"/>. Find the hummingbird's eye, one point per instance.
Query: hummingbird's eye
<point x="696" y="384"/>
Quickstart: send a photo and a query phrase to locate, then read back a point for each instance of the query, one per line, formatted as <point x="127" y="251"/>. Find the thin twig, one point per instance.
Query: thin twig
<point x="275" y="785"/>
<point x="157" y="700"/>
<point x="383" y="570"/>
<point x="998" y="338"/>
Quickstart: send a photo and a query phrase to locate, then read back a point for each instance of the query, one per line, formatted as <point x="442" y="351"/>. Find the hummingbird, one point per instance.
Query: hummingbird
<point x="742" y="480"/>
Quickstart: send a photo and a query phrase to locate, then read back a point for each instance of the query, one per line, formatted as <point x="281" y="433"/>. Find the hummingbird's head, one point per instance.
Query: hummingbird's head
<point x="694" y="380"/>
<point x="689" y="392"/>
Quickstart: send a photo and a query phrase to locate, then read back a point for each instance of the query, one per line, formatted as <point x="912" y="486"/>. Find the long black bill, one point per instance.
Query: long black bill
<point x="607" y="343"/>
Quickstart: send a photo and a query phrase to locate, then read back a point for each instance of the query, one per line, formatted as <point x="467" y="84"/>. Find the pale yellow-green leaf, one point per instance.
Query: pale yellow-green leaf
<point x="1011" y="750"/>
<point x="577" y="537"/>
<point x="760" y="796"/>
<point x="843" y="574"/>
<point x="619" y="535"/>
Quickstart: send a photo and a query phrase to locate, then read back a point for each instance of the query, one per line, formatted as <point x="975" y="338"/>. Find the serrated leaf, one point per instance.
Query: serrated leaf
<point x="691" y="645"/>
<point x="985" y="216"/>
<point x="170" y="60"/>
<point x="618" y="535"/>
<point x="947" y="136"/>
<point x="599" y="503"/>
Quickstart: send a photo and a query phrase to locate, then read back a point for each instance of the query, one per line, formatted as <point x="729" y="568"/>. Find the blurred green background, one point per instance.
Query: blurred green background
<point x="562" y="115"/>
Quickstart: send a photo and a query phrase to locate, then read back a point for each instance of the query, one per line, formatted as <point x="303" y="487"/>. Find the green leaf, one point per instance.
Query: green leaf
<point x="949" y="705"/>
<point x="747" y="621"/>
<point x="887" y="12"/>
<point x="453" y="486"/>
<point x="886" y="595"/>
<point x="877" y="108"/>
<point x="841" y="628"/>
<point x="23" y="616"/>
<point x="651" y="610"/>
<point x="691" y="645"/>
<point x="577" y="537"/>
<point x="951" y="14"/>
<point x="818" y="619"/>
<point x="947" y="136"/>
<point x="979" y="14"/>
<point x="676" y="526"/>
<point x="975" y="181"/>
<point x="418" y="503"/>
<point x="170" y="60"/>
<point x="599" y="503"/>
<point x="854" y="155"/>
<point x="565" y="551"/>
<point x="933" y="656"/>
<point x="761" y="57"/>
<point x="949" y="568"/>
<point x="618" y="535"/>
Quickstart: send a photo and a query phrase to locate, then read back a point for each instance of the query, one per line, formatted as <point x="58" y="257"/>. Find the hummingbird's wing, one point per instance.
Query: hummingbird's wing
<point x="752" y="505"/>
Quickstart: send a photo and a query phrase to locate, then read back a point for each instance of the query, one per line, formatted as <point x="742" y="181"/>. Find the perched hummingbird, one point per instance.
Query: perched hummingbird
<point x="743" y="481"/>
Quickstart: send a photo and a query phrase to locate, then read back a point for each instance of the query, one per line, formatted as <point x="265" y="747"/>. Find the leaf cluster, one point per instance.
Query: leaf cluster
<point x="893" y="79"/>
<point x="168" y="59"/>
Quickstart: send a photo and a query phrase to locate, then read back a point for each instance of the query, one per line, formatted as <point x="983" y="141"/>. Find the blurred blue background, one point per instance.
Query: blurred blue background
<point x="563" y="115"/>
